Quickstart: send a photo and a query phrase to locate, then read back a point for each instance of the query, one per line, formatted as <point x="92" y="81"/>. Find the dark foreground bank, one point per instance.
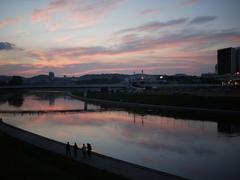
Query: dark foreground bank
<point x="20" y="160"/>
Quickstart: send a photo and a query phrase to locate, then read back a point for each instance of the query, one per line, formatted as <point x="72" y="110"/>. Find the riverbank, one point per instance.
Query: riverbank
<point x="97" y="168"/>
<point x="177" y="100"/>
<point x="20" y="160"/>
<point x="187" y="112"/>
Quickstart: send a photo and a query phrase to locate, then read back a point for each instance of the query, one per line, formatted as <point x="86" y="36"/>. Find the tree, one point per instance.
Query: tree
<point x="16" y="80"/>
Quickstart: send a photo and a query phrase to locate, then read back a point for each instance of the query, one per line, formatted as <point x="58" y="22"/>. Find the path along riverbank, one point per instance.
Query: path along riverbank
<point x="116" y="166"/>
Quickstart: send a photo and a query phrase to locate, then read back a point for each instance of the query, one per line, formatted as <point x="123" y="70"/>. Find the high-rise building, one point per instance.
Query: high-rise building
<point x="51" y="76"/>
<point x="228" y="61"/>
<point x="238" y="59"/>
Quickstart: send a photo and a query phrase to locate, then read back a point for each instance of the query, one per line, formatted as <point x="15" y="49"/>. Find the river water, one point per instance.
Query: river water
<point x="188" y="148"/>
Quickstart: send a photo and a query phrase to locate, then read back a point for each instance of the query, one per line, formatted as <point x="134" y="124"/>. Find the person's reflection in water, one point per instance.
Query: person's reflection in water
<point x="68" y="150"/>
<point x="84" y="151"/>
<point x="75" y="148"/>
<point x="142" y="121"/>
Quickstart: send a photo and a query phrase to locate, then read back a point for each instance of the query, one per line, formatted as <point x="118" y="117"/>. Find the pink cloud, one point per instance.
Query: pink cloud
<point x="235" y="38"/>
<point x="29" y="72"/>
<point x="176" y="43"/>
<point x="52" y="8"/>
<point x="8" y="22"/>
<point x="77" y="13"/>
<point x="89" y="13"/>
<point x="64" y="39"/>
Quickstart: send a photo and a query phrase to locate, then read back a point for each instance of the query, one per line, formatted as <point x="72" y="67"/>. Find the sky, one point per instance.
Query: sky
<point x="77" y="37"/>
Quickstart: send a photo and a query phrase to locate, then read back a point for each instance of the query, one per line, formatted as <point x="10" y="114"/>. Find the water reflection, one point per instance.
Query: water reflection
<point x="134" y="118"/>
<point x="229" y="127"/>
<point x="85" y="106"/>
<point x="14" y="99"/>
<point x="42" y="101"/>
<point x="51" y="101"/>
<point x="189" y="148"/>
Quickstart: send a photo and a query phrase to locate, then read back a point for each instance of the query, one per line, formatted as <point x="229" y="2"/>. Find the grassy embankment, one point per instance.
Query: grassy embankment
<point x="182" y="100"/>
<point x="20" y="160"/>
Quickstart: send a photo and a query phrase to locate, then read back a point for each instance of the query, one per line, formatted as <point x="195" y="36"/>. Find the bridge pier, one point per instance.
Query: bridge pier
<point x="85" y="93"/>
<point x="85" y="106"/>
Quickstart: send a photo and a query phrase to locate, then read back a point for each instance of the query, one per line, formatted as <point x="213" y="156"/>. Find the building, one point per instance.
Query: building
<point x="51" y="76"/>
<point x="228" y="61"/>
<point x="238" y="59"/>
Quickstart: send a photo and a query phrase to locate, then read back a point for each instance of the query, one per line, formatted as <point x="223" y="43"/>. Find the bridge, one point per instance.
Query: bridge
<point x="49" y="111"/>
<point x="92" y="86"/>
<point x="64" y="87"/>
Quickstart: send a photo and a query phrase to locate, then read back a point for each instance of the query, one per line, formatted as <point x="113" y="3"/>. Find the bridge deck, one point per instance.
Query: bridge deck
<point x="48" y="111"/>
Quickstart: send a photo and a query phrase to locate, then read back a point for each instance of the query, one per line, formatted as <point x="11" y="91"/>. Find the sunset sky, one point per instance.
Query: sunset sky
<point x="77" y="37"/>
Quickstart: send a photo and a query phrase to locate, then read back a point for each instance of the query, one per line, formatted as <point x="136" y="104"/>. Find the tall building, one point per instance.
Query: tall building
<point x="228" y="61"/>
<point x="238" y="59"/>
<point x="51" y="76"/>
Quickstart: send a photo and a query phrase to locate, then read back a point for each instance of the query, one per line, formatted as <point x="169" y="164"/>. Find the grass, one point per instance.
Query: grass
<point x="183" y="100"/>
<point x="20" y="160"/>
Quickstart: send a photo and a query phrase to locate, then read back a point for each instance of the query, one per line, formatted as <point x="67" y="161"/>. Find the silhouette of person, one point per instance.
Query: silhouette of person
<point x="68" y="149"/>
<point x="84" y="150"/>
<point x="89" y="150"/>
<point x="75" y="148"/>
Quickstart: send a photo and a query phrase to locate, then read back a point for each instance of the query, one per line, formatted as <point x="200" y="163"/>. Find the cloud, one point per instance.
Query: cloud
<point x="151" y="11"/>
<point x="202" y="19"/>
<point x="155" y="26"/>
<point x="188" y="3"/>
<point x="93" y="11"/>
<point x="8" y="22"/>
<point x="77" y="13"/>
<point x="71" y="64"/>
<point x="182" y="4"/>
<point x="64" y="38"/>
<point x="53" y="7"/>
<point x="6" y="46"/>
<point x="15" y="68"/>
<point x="136" y="46"/>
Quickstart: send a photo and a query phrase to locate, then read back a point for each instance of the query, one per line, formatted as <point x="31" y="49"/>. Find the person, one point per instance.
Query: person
<point x="84" y="150"/>
<point x="89" y="150"/>
<point x="75" y="148"/>
<point x="68" y="149"/>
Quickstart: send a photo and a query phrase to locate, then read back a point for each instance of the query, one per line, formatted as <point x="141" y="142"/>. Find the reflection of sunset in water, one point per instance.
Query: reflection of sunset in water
<point x="51" y="102"/>
<point x="183" y="147"/>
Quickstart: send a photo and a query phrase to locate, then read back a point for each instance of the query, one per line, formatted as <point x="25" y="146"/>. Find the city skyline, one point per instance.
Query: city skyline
<point x="77" y="37"/>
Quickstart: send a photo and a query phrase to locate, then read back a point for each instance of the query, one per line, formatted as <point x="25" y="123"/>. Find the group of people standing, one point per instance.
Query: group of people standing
<point x="86" y="150"/>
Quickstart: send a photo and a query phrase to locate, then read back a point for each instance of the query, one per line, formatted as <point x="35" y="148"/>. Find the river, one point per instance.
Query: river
<point x="189" y="148"/>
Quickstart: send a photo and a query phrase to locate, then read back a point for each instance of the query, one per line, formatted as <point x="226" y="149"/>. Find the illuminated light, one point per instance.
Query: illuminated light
<point x="161" y="77"/>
